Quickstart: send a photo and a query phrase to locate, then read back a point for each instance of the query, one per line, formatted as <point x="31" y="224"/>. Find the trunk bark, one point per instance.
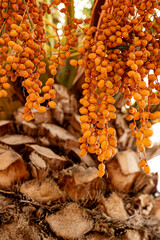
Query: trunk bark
<point x="47" y="191"/>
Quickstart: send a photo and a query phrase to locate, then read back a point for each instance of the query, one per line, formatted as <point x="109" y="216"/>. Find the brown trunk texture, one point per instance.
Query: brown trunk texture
<point x="47" y="191"/>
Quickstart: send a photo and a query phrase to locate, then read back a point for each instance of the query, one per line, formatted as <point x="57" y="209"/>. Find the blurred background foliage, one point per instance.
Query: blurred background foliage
<point x="56" y="20"/>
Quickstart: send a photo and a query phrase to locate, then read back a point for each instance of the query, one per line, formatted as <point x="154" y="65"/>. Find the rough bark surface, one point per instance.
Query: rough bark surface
<point x="48" y="192"/>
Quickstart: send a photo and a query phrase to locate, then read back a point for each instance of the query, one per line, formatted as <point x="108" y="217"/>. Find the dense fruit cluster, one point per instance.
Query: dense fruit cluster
<point x="22" y="37"/>
<point x="22" y="53"/>
<point x="121" y="54"/>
